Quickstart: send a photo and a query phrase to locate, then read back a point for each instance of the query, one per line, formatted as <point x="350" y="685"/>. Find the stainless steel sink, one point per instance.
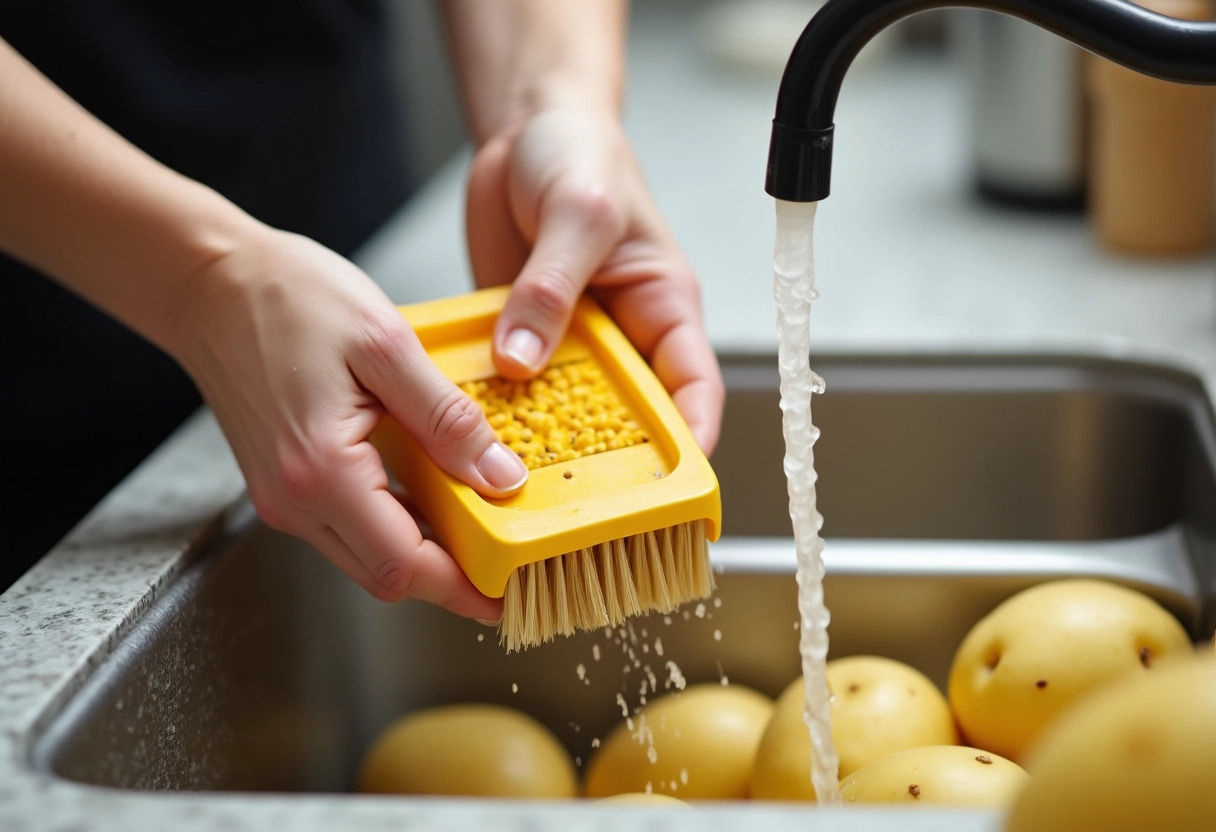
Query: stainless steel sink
<point x="946" y="485"/>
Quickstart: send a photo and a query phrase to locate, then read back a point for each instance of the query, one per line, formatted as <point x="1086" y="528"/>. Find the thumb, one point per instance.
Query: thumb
<point x="576" y="230"/>
<point x="448" y="424"/>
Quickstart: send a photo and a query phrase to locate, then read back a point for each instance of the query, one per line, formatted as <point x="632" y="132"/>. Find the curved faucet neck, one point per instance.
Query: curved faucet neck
<point x="799" y="165"/>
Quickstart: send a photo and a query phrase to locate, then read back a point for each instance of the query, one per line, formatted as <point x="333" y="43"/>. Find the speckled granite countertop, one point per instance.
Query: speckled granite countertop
<point x="907" y="262"/>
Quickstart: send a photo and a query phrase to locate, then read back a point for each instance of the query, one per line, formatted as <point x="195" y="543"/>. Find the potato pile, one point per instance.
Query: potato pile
<point x="879" y="706"/>
<point x="1143" y="745"/>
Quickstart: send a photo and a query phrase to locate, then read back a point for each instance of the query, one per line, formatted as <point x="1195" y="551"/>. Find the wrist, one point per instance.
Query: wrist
<point x="518" y="58"/>
<point x="601" y="99"/>
<point x="208" y="278"/>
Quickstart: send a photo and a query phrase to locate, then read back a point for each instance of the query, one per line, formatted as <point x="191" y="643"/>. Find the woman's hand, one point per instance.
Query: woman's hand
<point x="299" y="355"/>
<point x="557" y="204"/>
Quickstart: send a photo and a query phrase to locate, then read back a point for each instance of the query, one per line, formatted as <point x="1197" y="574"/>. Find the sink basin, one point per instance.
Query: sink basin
<point x="946" y="485"/>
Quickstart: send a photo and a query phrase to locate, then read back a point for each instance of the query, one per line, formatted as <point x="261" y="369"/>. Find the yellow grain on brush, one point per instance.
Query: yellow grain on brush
<point x="569" y="411"/>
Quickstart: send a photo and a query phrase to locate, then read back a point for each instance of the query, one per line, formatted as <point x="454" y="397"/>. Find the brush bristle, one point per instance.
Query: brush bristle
<point x="605" y="584"/>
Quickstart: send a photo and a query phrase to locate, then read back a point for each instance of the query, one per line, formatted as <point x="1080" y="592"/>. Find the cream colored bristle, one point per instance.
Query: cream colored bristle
<point x="608" y="580"/>
<point x="626" y="581"/>
<point x="679" y="585"/>
<point x="658" y="578"/>
<point x="561" y="606"/>
<point x="643" y="580"/>
<point x="544" y="604"/>
<point x="589" y="590"/>
<point x="605" y="584"/>
<point x="576" y="596"/>
<point x="513" y="623"/>
<point x="531" y="613"/>
<point x="702" y="572"/>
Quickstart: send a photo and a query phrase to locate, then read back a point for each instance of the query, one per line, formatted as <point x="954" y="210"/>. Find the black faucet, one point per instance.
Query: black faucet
<point x="800" y="151"/>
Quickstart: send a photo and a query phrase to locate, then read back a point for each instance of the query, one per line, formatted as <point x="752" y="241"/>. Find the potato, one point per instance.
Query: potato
<point x="1039" y="651"/>
<point x="698" y="744"/>
<point x="879" y="706"/>
<point x="947" y="775"/>
<point x="480" y="750"/>
<point x="1139" y="754"/>
<point x="644" y="799"/>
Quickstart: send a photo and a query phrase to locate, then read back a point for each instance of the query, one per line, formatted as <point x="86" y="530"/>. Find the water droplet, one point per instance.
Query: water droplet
<point x="675" y="678"/>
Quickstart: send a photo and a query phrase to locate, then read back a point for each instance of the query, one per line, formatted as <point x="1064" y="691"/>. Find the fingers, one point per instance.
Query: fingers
<point x="497" y="249"/>
<point x="448" y="424"/>
<point x="662" y="317"/>
<point x="387" y="547"/>
<point x="685" y="362"/>
<point x="338" y="500"/>
<point x="394" y="562"/>
<point x="578" y="226"/>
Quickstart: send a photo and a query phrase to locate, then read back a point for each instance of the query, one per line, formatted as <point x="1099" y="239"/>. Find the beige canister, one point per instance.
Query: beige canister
<point x="1153" y="183"/>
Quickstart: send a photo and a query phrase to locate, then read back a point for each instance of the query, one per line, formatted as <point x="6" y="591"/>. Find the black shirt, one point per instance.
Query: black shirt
<point x="283" y="106"/>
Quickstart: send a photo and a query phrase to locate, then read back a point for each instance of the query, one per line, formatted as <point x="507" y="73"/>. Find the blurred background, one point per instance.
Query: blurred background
<point x="988" y="176"/>
<point x="751" y="37"/>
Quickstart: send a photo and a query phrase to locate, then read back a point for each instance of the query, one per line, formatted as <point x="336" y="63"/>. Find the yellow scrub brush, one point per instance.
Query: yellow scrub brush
<point x="620" y="502"/>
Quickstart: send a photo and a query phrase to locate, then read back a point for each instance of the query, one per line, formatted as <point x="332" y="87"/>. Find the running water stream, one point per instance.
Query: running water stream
<point x="794" y="288"/>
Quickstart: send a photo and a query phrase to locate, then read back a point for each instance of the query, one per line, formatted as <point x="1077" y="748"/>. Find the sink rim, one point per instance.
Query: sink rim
<point x="46" y="681"/>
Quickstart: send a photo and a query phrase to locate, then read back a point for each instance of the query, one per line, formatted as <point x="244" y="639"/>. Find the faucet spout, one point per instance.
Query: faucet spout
<point x="800" y="150"/>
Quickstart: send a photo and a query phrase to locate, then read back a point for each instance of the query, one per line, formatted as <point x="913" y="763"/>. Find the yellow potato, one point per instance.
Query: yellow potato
<point x="697" y="744"/>
<point x="879" y="706"/>
<point x="480" y="750"/>
<point x="1039" y="651"/>
<point x="944" y="775"/>
<point x="644" y="799"/>
<point x="1140" y="754"/>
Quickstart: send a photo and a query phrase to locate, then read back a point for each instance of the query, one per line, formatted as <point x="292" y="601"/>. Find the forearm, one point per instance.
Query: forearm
<point x="87" y="208"/>
<point x="516" y="57"/>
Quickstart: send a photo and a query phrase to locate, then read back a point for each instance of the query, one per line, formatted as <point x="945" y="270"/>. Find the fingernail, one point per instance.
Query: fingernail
<point x="487" y="622"/>
<point x="523" y="346"/>
<point x="502" y="468"/>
